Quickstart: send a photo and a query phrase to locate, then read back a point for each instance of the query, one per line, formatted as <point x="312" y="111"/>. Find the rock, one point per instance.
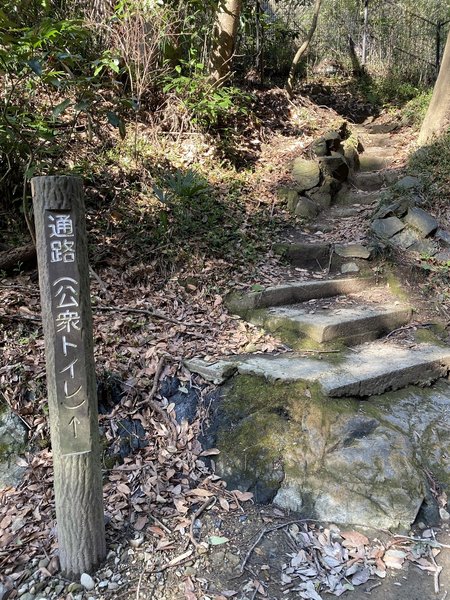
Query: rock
<point x="370" y="181"/>
<point x="338" y="461"/>
<point x="306" y="173"/>
<point x="289" y="196"/>
<point x="349" y="267"/>
<point x="305" y="255"/>
<point x="330" y="186"/>
<point x="13" y="437"/>
<point x="421" y="220"/>
<point x="353" y="251"/>
<point x="87" y="582"/>
<point x="320" y="198"/>
<point x="27" y="596"/>
<point x="351" y="156"/>
<point x="443" y="236"/>
<point x="305" y="208"/>
<point x="335" y="166"/>
<point x="443" y="256"/>
<point x="319" y="147"/>
<point x="424" y="247"/>
<point x="3" y="591"/>
<point x="405" y="238"/>
<point x="409" y="183"/>
<point x="386" y="228"/>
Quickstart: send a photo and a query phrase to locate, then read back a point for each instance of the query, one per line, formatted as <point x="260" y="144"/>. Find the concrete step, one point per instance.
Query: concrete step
<point x="372" y="369"/>
<point x="349" y="325"/>
<point x="295" y="292"/>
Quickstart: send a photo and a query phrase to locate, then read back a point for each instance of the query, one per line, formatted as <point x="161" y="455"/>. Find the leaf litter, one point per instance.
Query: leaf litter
<point x="166" y="510"/>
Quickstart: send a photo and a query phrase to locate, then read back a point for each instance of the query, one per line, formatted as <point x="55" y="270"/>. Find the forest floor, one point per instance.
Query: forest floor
<point x="173" y="528"/>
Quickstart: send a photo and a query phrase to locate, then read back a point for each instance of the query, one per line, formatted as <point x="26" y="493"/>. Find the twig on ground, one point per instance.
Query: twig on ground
<point x="150" y="401"/>
<point x="102" y="284"/>
<point x="372" y="587"/>
<point x="138" y="589"/>
<point x="260" y="536"/>
<point x="209" y="501"/>
<point x="434" y="543"/>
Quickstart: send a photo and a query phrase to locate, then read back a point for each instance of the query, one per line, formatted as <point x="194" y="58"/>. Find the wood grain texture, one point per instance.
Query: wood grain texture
<point x="77" y="478"/>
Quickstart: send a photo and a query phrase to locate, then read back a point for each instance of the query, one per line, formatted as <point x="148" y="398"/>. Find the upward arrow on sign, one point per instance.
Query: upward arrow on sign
<point x="74" y="422"/>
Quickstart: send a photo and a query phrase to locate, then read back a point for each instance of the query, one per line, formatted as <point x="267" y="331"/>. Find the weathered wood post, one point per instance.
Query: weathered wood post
<point x="61" y="245"/>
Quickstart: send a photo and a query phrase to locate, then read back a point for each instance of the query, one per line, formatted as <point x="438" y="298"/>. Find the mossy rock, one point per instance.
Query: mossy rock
<point x="343" y="461"/>
<point x="306" y="173"/>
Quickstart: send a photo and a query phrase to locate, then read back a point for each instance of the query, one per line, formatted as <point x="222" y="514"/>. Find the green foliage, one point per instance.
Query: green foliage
<point x="414" y="111"/>
<point x="208" y="106"/>
<point x="389" y="90"/>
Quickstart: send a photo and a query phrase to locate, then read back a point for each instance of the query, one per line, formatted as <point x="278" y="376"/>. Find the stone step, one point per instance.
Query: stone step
<point x="372" y="369"/>
<point x="375" y="159"/>
<point x="349" y="325"/>
<point x="295" y="292"/>
<point x="348" y="196"/>
<point x="369" y="181"/>
<point x="305" y="255"/>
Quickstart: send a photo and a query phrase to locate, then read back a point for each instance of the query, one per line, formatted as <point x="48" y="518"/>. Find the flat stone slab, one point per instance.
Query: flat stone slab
<point x="353" y="251"/>
<point x="348" y="196"/>
<point x="354" y="324"/>
<point x="295" y="292"/>
<point x="421" y="220"/>
<point x="372" y="369"/>
<point x="387" y="227"/>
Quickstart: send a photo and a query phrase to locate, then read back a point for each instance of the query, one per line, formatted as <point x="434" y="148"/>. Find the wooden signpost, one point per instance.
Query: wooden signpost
<point x="61" y="245"/>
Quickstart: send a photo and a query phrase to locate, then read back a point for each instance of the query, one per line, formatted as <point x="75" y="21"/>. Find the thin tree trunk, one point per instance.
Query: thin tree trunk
<point x="224" y="40"/>
<point x="437" y="119"/>
<point x="303" y="48"/>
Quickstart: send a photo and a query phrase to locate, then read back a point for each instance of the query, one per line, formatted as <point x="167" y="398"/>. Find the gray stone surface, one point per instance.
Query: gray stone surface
<point x="369" y="182"/>
<point x="320" y="197"/>
<point x="405" y="238"/>
<point x="421" y="220"/>
<point x="295" y="292"/>
<point x="387" y="227"/>
<point x="409" y="183"/>
<point x="375" y="159"/>
<point x="216" y="372"/>
<point x="426" y="247"/>
<point x="443" y="236"/>
<point x="348" y="324"/>
<point x="373" y="368"/>
<point x="349" y="195"/>
<point x="443" y="256"/>
<point x="306" y="208"/>
<point x="306" y="173"/>
<point x="353" y="251"/>
<point x="349" y="267"/>
<point x="13" y="437"/>
<point x="339" y="461"/>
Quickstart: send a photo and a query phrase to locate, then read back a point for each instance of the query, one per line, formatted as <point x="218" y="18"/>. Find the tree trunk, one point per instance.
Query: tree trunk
<point x="224" y="40"/>
<point x="303" y="48"/>
<point x="437" y="119"/>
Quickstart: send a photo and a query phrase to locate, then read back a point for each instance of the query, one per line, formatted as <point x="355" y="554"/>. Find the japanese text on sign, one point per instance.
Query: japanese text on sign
<point x="69" y="360"/>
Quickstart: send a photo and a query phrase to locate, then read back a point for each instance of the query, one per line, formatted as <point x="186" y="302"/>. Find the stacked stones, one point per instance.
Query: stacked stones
<point x="402" y="224"/>
<point x="320" y="178"/>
